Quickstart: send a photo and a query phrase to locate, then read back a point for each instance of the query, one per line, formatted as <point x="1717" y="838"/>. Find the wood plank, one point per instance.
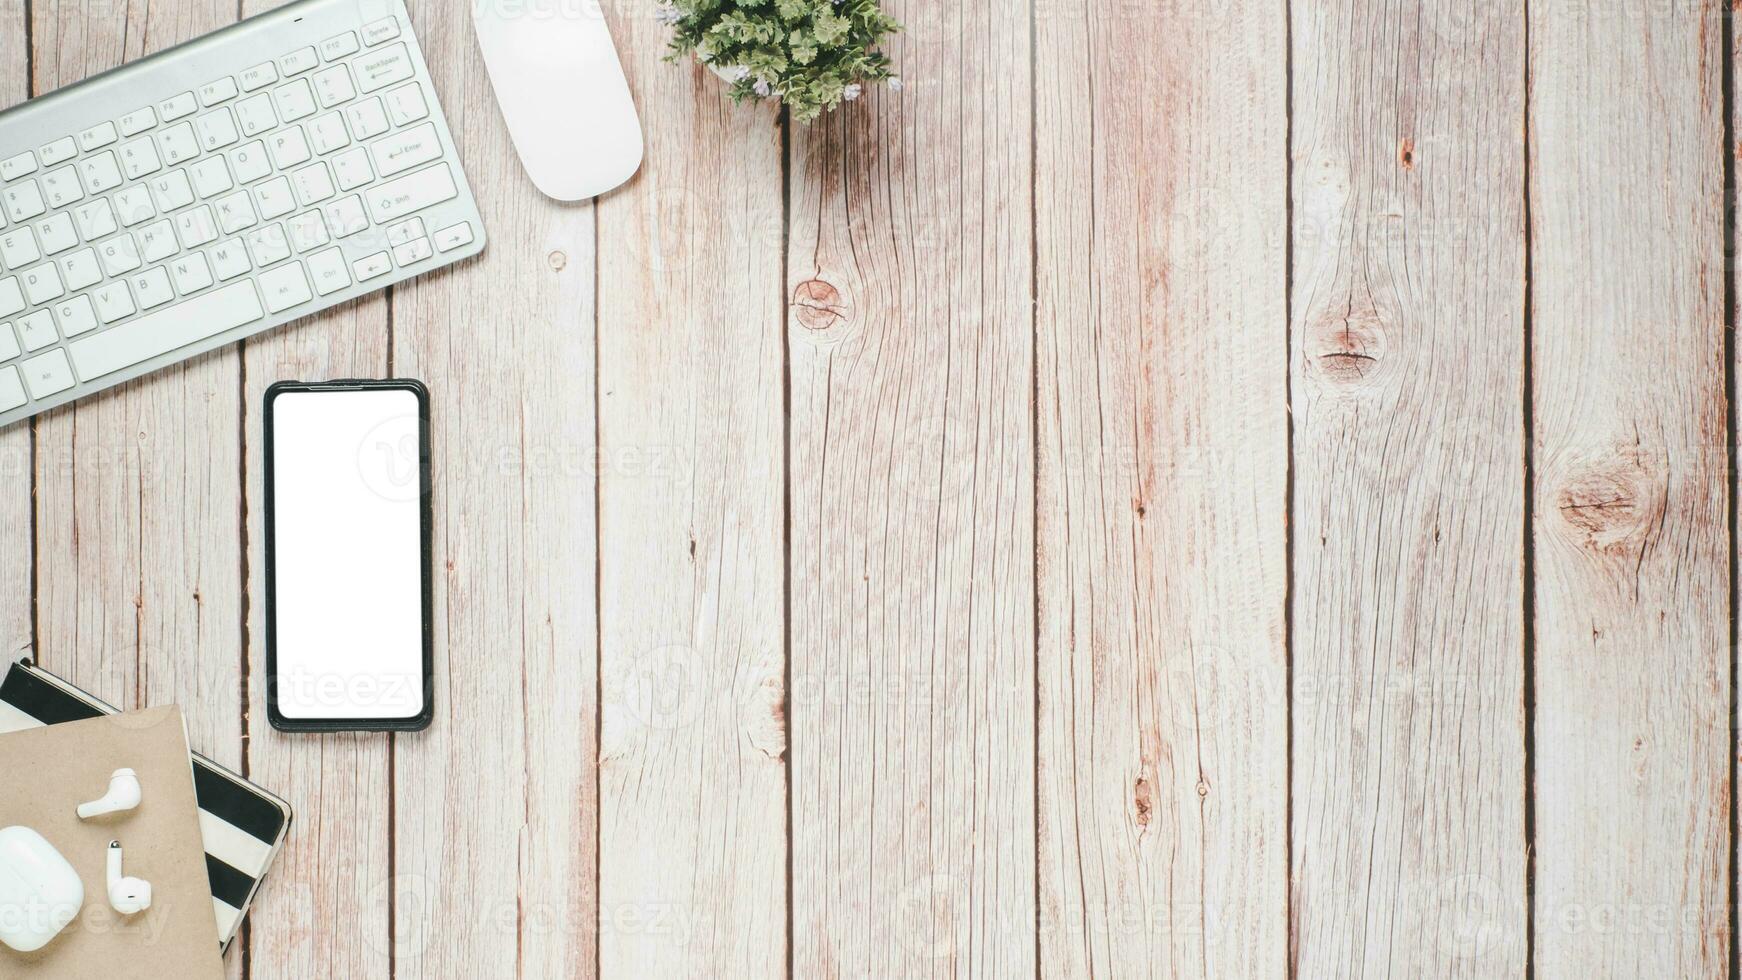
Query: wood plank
<point x="1161" y="195"/>
<point x="314" y="923"/>
<point x="1632" y="587"/>
<point x="912" y="455"/>
<point x="498" y="797"/>
<point x="1408" y="730"/>
<point x="692" y="824"/>
<point x="17" y="465"/>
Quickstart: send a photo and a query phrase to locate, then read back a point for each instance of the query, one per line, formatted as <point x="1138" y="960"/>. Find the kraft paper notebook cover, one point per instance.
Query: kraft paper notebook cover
<point x="47" y="773"/>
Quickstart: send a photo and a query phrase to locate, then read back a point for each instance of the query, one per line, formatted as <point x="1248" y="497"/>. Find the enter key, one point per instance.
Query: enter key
<point x="402" y="151"/>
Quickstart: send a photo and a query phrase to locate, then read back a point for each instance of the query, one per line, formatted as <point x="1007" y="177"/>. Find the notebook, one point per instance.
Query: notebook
<point x="49" y="771"/>
<point x="242" y="825"/>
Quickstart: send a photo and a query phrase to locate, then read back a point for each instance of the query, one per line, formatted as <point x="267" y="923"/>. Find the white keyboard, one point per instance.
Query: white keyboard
<point x="278" y="167"/>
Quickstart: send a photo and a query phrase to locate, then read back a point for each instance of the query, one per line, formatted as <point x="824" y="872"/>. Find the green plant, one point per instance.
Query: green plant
<point x="810" y="54"/>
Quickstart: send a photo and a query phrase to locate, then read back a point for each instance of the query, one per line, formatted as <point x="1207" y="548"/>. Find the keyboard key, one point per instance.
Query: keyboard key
<point x="255" y="115"/>
<point x="339" y="45"/>
<point x="454" y="236"/>
<point x="98" y="136"/>
<point x="405" y="231"/>
<point x="80" y="269"/>
<point x="11" y="296"/>
<point x="327" y="133"/>
<point x="333" y="86"/>
<point x="42" y="284"/>
<point x="37" y="331"/>
<point x="138" y="121"/>
<point x="314" y="184"/>
<point x="308" y="231"/>
<point x="197" y="227"/>
<point x="379" y="69"/>
<point x="18" y="247"/>
<point x="157" y="242"/>
<point x="345" y="217"/>
<point x="60" y="151"/>
<point x="152" y="288"/>
<point x="166" y="330"/>
<point x="410" y="194"/>
<point x="47" y="374"/>
<point x="216" y="130"/>
<point x="267" y="245"/>
<point x="134" y="206"/>
<point x="285" y="287"/>
<point x="294" y="101"/>
<point x="8" y="344"/>
<point x="275" y="198"/>
<point x="249" y="162"/>
<point x="119" y="255"/>
<point x="192" y="273"/>
<point x="11" y="388"/>
<point x="182" y="105"/>
<point x="372" y="267"/>
<point x="329" y="272"/>
<point x="60" y="188"/>
<point x="221" y="90"/>
<point x="368" y="119"/>
<point x="351" y="169"/>
<point x="236" y="212"/>
<point x="56" y="233"/>
<point x="289" y="147"/>
<point x="23" y="201"/>
<point x="179" y="144"/>
<point x="101" y="173"/>
<point x="22" y="165"/>
<point x="298" y="61"/>
<point x="402" y="151"/>
<point x="383" y="30"/>
<point x="259" y="77"/>
<point x="95" y="218"/>
<point x="113" y="301"/>
<point x="406" y="105"/>
<point x="76" y="316"/>
<point x="412" y="253"/>
<point x="171" y="191"/>
<point x="211" y="177"/>
<point x="139" y="158"/>
<point x="230" y="259"/>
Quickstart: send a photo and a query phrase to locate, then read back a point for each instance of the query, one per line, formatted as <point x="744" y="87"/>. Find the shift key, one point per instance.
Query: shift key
<point x="412" y="193"/>
<point x="165" y="330"/>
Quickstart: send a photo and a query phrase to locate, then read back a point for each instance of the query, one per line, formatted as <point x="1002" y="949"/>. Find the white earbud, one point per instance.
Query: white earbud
<point x="127" y="896"/>
<point x="124" y="794"/>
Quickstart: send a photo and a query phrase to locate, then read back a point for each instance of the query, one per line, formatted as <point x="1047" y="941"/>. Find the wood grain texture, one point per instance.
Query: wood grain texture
<point x="912" y="474"/>
<point x="1631" y="502"/>
<point x="692" y="767"/>
<point x="315" y="923"/>
<point x="1161" y="196"/>
<point x="498" y="798"/>
<point x="17" y="464"/>
<point x="1408" y="804"/>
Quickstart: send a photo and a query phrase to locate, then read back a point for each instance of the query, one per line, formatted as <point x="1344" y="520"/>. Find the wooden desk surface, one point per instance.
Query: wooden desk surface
<point x="1182" y="489"/>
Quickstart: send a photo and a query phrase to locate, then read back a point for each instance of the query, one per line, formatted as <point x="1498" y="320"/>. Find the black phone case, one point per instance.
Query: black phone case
<point x="423" y="719"/>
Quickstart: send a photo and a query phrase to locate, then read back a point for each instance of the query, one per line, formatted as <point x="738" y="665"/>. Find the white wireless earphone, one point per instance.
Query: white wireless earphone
<point x="124" y="794"/>
<point x="127" y="896"/>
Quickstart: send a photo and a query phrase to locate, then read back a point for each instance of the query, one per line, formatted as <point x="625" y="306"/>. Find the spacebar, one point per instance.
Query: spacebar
<point x="165" y="330"/>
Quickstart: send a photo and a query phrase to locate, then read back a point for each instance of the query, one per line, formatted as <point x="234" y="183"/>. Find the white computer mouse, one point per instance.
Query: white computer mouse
<point x="39" y="891"/>
<point x="563" y="93"/>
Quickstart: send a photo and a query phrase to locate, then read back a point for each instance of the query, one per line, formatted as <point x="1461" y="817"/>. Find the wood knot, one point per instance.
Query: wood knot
<point x="1406" y="154"/>
<point x="1610" y="505"/>
<point x="1143" y="801"/>
<point x="818" y="305"/>
<point x="1347" y="348"/>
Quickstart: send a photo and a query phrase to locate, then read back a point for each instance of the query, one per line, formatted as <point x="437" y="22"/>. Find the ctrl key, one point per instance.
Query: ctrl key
<point x="48" y="374"/>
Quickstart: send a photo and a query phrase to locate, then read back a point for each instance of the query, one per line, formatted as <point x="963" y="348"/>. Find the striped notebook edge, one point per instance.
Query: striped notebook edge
<point x="241" y="824"/>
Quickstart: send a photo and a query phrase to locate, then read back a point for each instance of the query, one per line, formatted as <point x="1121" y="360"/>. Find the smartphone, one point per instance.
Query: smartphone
<point x="349" y="638"/>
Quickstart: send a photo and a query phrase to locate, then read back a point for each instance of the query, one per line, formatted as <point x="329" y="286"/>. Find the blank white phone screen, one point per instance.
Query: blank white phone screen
<point x="348" y="554"/>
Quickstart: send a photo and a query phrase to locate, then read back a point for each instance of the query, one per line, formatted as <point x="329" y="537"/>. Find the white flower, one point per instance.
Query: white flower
<point x="668" y="15"/>
<point x="763" y="88"/>
<point x="738" y="73"/>
<point x="852" y="91"/>
<point x="895" y="84"/>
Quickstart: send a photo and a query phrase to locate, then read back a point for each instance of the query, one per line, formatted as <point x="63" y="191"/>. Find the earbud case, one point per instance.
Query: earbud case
<point x="40" y="893"/>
